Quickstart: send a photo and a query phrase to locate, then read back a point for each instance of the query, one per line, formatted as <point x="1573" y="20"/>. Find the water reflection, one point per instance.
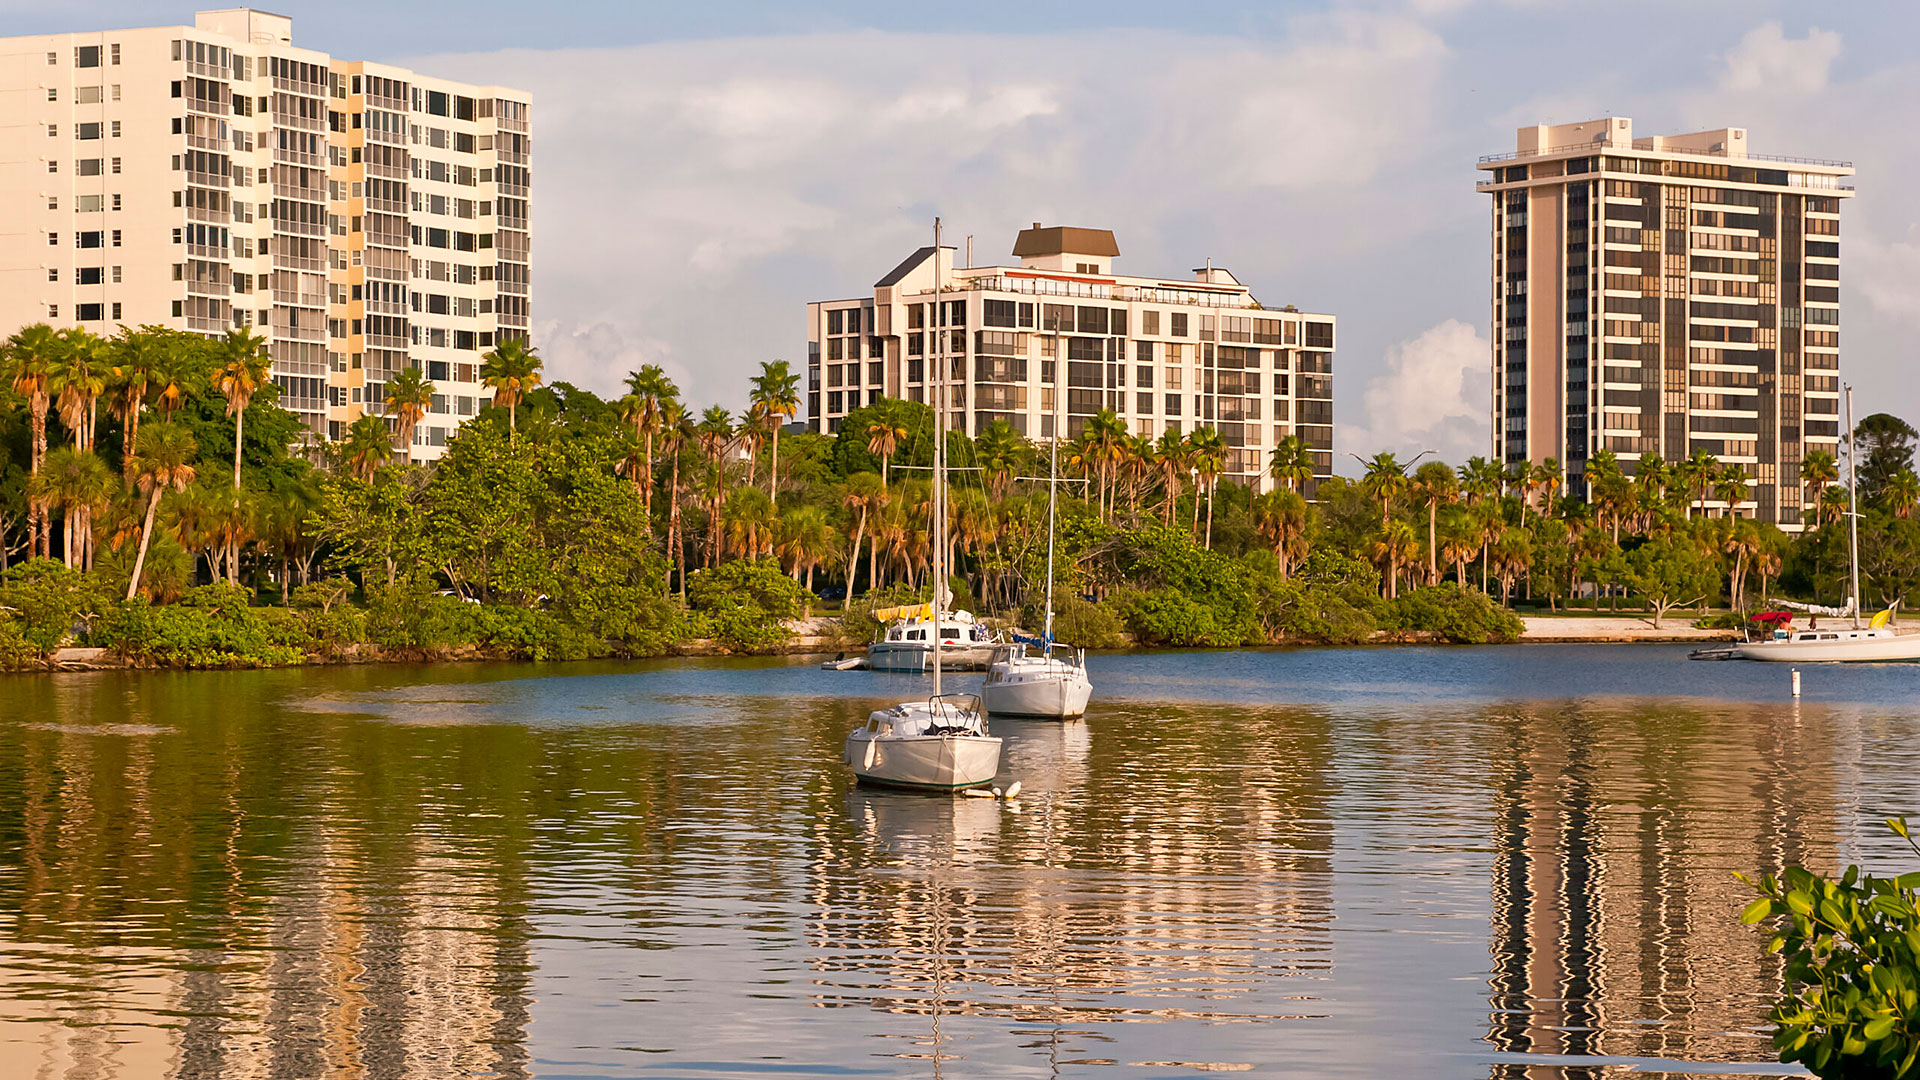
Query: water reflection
<point x="659" y="870"/>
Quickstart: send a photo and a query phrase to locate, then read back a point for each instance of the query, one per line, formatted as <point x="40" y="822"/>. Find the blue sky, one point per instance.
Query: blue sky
<point x="702" y="170"/>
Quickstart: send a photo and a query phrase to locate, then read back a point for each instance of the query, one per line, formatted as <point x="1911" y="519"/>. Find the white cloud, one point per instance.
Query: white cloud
<point x="1768" y="61"/>
<point x="691" y="197"/>
<point x="1432" y="395"/>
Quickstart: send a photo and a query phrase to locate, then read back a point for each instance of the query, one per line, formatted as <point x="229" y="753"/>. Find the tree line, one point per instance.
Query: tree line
<point x="150" y="479"/>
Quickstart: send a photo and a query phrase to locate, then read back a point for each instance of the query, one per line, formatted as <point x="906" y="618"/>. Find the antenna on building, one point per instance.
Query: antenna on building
<point x="969" y="251"/>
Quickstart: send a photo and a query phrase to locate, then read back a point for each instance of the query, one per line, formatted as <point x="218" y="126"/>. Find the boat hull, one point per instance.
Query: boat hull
<point x="1855" y="647"/>
<point x="1060" y="695"/>
<point x="913" y="656"/>
<point x="924" y="762"/>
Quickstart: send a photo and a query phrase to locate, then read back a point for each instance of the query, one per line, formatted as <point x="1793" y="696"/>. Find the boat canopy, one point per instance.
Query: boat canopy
<point x="918" y="611"/>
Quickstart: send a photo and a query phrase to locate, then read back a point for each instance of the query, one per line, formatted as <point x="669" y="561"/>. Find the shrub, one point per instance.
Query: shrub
<point x="1462" y="616"/>
<point x="1852" y="951"/>
<point x="211" y="627"/>
<point x="15" y="650"/>
<point x="51" y="601"/>
<point x="745" y="604"/>
<point x="1084" y="625"/>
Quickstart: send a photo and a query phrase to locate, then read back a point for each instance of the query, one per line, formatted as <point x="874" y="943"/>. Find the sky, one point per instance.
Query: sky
<point x="701" y="171"/>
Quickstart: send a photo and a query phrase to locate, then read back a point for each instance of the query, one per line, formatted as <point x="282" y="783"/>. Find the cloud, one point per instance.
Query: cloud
<point x="1432" y="395"/>
<point x="691" y="197"/>
<point x="1768" y="61"/>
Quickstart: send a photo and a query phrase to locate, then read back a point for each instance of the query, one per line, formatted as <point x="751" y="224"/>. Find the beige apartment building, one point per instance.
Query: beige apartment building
<point x="1060" y="336"/>
<point x="1666" y="295"/>
<point x="362" y="217"/>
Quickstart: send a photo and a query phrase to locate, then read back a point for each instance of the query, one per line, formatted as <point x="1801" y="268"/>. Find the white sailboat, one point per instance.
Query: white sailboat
<point x="940" y="743"/>
<point x="907" y="642"/>
<point x="1875" y="643"/>
<point x="1039" y="678"/>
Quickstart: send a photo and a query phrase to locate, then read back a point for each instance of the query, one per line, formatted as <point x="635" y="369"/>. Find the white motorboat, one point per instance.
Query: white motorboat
<point x="1877" y="643"/>
<point x="1034" y="679"/>
<point x="939" y="743"/>
<point x="966" y="644"/>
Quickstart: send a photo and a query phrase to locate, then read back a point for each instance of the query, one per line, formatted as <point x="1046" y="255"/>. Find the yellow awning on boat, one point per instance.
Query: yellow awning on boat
<point x="1881" y="619"/>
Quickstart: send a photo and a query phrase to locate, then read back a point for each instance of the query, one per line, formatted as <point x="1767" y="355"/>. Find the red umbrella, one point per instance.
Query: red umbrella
<point x="1774" y="616"/>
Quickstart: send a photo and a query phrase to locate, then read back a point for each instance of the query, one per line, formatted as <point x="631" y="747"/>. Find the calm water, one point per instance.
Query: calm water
<point x="1505" y="862"/>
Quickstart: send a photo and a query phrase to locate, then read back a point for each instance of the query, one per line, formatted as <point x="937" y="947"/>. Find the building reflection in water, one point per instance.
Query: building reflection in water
<point x="288" y="914"/>
<point x="1615" y="911"/>
<point x="1118" y="891"/>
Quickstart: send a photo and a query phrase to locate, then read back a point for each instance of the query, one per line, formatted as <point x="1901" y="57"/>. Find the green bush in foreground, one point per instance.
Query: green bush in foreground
<point x="744" y="604"/>
<point x="1462" y="616"/>
<point x="1852" y="951"/>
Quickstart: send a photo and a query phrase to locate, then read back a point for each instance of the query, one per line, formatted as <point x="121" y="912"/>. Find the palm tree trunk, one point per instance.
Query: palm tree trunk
<point x="133" y="439"/>
<point x="773" y="470"/>
<point x="1213" y="489"/>
<point x="239" y="425"/>
<point x="853" y="564"/>
<point x="146" y="536"/>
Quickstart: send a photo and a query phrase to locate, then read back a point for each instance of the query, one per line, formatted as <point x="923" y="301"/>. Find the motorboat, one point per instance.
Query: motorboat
<point x="1030" y="677"/>
<point x="941" y="742"/>
<point x="907" y="644"/>
<point x="1034" y="676"/>
<point x="938" y="744"/>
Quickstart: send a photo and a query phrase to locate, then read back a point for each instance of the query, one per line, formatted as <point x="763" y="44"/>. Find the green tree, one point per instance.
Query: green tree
<point x="1208" y="453"/>
<point x="1669" y="573"/>
<point x="1291" y="463"/>
<point x="409" y="398"/>
<point x="162" y="461"/>
<point x="368" y="445"/>
<point x="1885" y="444"/>
<point x="29" y="355"/>
<point x="511" y="370"/>
<point x="776" y="392"/>
<point x="243" y="373"/>
<point x="73" y="481"/>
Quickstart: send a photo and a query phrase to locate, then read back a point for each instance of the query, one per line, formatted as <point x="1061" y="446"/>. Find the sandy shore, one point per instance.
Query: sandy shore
<point x="1619" y="628"/>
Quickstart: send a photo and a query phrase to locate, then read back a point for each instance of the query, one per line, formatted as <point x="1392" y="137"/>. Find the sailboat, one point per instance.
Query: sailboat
<point x="1878" y="642"/>
<point x="939" y="743"/>
<point x="1037" y="678"/>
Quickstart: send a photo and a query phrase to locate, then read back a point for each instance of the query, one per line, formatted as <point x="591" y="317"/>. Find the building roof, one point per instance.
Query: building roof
<point x="1065" y="239"/>
<point x="906" y="267"/>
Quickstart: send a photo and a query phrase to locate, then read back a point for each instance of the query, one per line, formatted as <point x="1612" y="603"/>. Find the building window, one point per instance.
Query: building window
<point x="86" y="56"/>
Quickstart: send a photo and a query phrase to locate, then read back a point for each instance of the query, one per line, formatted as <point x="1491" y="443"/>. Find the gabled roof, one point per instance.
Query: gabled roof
<point x="906" y="267"/>
<point x="1065" y="239"/>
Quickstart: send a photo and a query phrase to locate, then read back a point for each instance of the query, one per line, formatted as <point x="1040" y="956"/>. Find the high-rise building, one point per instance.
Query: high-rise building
<point x="1061" y="337"/>
<point x="1666" y="295"/>
<point x="362" y="217"/>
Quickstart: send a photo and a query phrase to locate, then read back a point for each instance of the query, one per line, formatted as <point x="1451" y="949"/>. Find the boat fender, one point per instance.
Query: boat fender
<point x="1013" y="790"/>
<point x="867" y="762"/>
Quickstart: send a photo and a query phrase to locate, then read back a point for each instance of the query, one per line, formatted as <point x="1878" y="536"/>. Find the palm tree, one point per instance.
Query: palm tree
<point x="30" y="357"/>
<point x="409" y="398"/>
<point x="1434" y="484"/>
<point x="1172" y="451"/>
<point x="1481" y="479"/>
<point x="776" y="394"/>
<point x="1385" y="480"/>
<point x="676" y="432"/>
<point x="183" y="358"/>
<point x="368" y="446"/>
<point x="749" y="519"/>
<point x="162" y="461"/>
<point x="1104" y="440"/>
<point x="1459" y="540"/>
<point x="861" y="495"/>
<point x="1209" y="459"/>
<point x="805" y="539"/>
<point x="1901" y="492"/>
<point x="243" y="372"/>
<point x="1818" y="469"/>
<point x="1395" y="545"/>
<point x="1141" y="461"/>
<point x="884" y="434"/>
<point x="1000" y="449"/>
<point x="1292" y="463"/>
<point x="73" y="481"/>
<point x="1742" y="541"/>
<point x="511" y="370"/>
<point x="1547" y="477"/>
<point x="715" y="434"/>
<point x="1832" y="506"/>
<point x="77" y="380"/>
<point x="1282" y="518"/>
<point x="136" y="356"/>
<point x="1696" y="476"/>
<point x="649" y="390"/>
<point x="1730" y="487"/>
<point x="1511" y="554"/>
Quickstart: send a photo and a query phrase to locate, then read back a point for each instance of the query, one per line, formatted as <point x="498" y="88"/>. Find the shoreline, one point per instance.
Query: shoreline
<point x="1540" y="630"/>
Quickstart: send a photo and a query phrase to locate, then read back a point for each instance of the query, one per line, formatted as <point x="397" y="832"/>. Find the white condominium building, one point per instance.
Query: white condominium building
<point x="1666" y="295"/>
<point x="1061" y="335"/>
<point x="362" y="217"/>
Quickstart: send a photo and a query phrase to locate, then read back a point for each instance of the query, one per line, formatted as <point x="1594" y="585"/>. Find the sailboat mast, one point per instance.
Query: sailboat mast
<point x="1053" y="491"/>
<point x="937" y="357"/>
<point x="1853" y="513"/>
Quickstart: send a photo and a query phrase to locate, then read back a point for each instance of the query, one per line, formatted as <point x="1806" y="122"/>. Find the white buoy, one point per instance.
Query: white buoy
<point x="1013" y="790"/>
<point x="1796" y="682"/>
